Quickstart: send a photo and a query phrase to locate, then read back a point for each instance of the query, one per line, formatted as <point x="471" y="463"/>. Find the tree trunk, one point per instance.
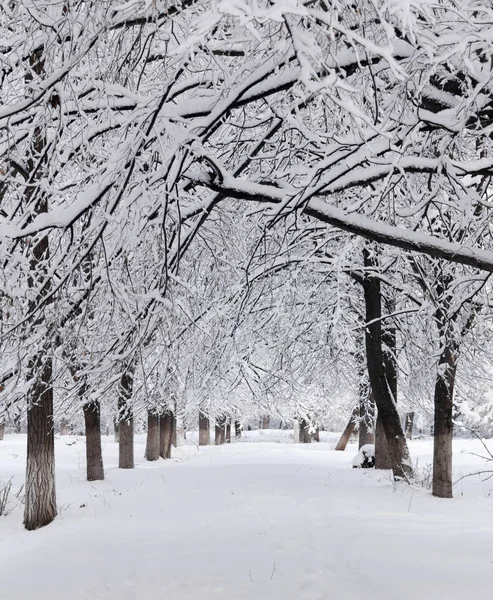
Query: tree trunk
<point x="316" y="435"/>
<point x="382" y="454"/>
<point x="305" y="437"/>
<point x="166" y="426"/>
<point x="94" y="455"/>
<point x="228" y="432"/>
<point x="40" y="499"/>
<point x="443" y="425"/>
<point x="383" y="376"/>
<point x="2" y="431"/>
<point x="126" y="421"/>
<point x="266" y="422"/>
<point x="116" y="430"/>
<point x="237" y="430"/>
<point x="409" y="425"/>
<point x="204" y="429"/>
<point x="152" y="442"/>
<point x="220" y="430"/>
<point x="346" y="434"/>
<point x="383" y="461"/>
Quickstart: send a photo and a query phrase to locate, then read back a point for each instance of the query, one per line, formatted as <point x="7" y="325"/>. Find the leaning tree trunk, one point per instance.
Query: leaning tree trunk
<point x="94" y="454"/>
<point x="126" y="421"/>
<point x="40" y="498"/>
<point x="152" y="442"/>
<point x="204" y="429"/>
<point x="381" y="376"/>
<point x="443" y="424"/>
<point x="346" y="434"/>
<point x="166" y="426"/>
<point x="409" y="425"/>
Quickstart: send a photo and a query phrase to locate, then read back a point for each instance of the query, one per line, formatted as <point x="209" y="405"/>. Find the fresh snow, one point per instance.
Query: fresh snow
<point x="265" y="520"/>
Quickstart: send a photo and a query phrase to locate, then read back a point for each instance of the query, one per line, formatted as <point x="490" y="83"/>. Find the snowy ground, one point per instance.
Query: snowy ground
<point x="266" y="521"/>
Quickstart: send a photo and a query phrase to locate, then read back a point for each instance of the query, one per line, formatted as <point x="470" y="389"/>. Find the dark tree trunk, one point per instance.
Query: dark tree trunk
<point x="316" y="435"/>
<point x="266" y="422"/>
<point x="366" y="417"/>
<point x="409" y="425"/>
<point x="346" y="434"/>
<point x="382" y="454"/>
<point x="126" y="421"/>
<point x="166" y="426"/>
<point x="2" y="430"/>
<point x="443" y="425"/>
<point x="204" y="429"/>
<point x="152" y="442"/>
<point x="305" y="437"/>
<point x="228" y="432"/>
<point x="383" y="459"/>
<point x="383" y="376"/>
<point x="237" y="430"/>
<point x="94" y="455"/>
<point x="40" y="499"/>
<point x="220" y="430"/>
<point x="40" y="493"/>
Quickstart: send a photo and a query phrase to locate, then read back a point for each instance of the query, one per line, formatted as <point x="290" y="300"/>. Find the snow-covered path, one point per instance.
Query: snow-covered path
<point x="248" y="521"/>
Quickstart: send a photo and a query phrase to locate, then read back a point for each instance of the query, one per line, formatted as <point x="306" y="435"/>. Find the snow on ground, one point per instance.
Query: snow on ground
<point x="268" y="520"/>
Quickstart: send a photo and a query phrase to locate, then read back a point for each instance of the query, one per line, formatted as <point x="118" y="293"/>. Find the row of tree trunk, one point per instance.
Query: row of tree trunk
<point x="222" y="430"/>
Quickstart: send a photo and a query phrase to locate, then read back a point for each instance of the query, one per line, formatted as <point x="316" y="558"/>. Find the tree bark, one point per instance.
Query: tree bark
<point x="266" y="422"/>
<point x="237" y="430"/>
<point x="166" y="426"/>
<point x="228" y="432"/>
<point x="409" y="425"/>
<point x="443" y="425"/>
<point x="383" y="376"/>
<point x="204" y="429"/>
<point x="2" y="431"/>
<point x="40" y="499"/>
<point x="126" y="421"/>
<point x="152" y="442"/>
<point x="346" y="434"/>
<point x="305" y="437"/>
<point x="382" y="454"/>
<point x="220" y="430"/>
<point x="94" y="455"/>
<point x="316" y="435"/>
